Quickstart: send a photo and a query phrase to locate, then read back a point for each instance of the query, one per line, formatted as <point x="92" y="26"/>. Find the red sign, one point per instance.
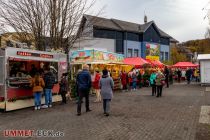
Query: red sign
<point x="24" y="53"/>
<point x="34" y="54"/>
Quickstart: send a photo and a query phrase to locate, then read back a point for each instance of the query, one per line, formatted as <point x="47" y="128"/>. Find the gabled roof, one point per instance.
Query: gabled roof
<point x="127" y="26"/>
<point x="123" y="25"/>
<point x="102" y="22"/>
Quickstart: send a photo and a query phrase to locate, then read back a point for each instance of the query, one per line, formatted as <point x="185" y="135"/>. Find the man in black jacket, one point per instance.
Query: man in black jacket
<point x="189" y="73"/>
<point x="49" y="80"/>
<point x="166" y="73"/>
<point x="84" y="84"/>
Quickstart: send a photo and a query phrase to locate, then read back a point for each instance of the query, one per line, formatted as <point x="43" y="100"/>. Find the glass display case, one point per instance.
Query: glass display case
<point x="19" y="82"/>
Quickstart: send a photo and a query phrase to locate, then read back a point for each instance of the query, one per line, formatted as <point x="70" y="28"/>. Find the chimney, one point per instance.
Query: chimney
<point x="145" y="19"/>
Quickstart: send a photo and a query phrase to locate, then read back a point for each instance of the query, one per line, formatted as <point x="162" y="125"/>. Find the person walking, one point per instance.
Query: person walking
<point x="76" y="87"/>
<point x="159" y="83"/>
<point x="124" y="80"/>
<point x="96" y="86"/>
<point x="84" y="84"/>
<point x="196" y="74"/>
<point x="139" y="78"/>
<point x="179" y="74"/>
<point x="130" y="81"/>
<point x="63" y="87"/>
<point x="134" y="79"/>
<point x="152" y="82"/>
<point x="49" y="80"/>
<point x="188" y="75"/>
<point x="170" y="76"/>
<point x="106" y="85"/>
<point x="166" y="73"/>
<point x="37" y="83"/>
<point x="183" y="74"/>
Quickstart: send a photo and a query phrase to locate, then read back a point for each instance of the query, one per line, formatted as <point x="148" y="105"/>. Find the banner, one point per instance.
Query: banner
<point x="88" y="56"/>
<point x="152" y="51"/>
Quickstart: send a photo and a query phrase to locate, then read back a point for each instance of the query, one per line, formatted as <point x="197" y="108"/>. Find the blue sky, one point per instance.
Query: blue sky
<point x="182" y="19"/>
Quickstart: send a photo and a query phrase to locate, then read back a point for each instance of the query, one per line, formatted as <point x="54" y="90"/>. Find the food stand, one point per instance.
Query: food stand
<point x="100" y="60"/>
<point x="16" y="65"/>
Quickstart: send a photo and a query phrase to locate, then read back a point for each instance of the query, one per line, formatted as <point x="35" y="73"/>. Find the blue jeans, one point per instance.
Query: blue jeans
<point x="48" y="96"/>
<point x="37" y="99"/>
<point x="134" y="85"/>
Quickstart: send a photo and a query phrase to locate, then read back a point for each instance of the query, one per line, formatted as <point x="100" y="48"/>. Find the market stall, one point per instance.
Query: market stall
<point x="155" y="63"/>
<point x="137" y="62"/>
<point x="18" y="66"/>
<point x="100" y="60"/>
<point x="185" y="65"/>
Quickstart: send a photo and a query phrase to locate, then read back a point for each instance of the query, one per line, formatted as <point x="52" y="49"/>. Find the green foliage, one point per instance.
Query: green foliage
<point x="168" y="62"/>
<point x="201" y="46"/>
<point x="177" y="56"/>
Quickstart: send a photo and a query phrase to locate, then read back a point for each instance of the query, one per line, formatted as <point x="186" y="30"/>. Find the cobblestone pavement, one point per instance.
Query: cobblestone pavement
<point x="134" y="116"/>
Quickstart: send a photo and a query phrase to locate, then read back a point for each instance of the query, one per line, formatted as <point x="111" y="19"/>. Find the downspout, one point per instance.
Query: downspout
<point x="126" y="44"/>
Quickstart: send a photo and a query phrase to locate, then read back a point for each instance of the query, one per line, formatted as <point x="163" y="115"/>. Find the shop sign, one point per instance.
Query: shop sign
<point x="21" y="53"/>
<point x="95" y="55"/>
<point x="152" y="51"/>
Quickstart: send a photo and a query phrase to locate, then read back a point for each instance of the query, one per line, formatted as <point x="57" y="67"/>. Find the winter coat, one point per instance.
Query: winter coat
<point x="152" y="78"/>
<point x="134" y="77"/>
<point x="63" y="85"/>
<point x="106" y="85"/>
<point x="39" y="87"/>
<point x="189" y="73"/>
<point x="49" y="80"/>
<point x="166" y="72"/>
<point x="124" y="78"/>
<point x="160" y="77"/>
<point x="84" y="80"/>
<point x="96" y="81"/>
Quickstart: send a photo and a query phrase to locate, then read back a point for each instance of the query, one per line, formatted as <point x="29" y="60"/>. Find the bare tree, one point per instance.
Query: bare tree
<point x="57" y="19"/>
<point x="26" y="17"/>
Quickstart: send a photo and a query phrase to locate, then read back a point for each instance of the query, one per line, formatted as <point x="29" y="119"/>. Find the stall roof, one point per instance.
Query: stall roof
<point x="155" y="63"/>
<point x="203" y="56"/>
<point x="136" y="61"/>
<point x="184" y="64"/>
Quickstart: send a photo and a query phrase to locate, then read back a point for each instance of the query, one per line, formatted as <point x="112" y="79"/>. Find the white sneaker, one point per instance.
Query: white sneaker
<point x="44" y="106"/>
<point x="50" y="106"/>
<point x="35" y="108"/>
<point x="39" y="108"/>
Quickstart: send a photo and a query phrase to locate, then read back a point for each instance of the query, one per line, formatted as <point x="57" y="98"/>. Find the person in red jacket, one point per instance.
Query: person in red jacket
<point x="96" y="86"/>
<point x="124" y="80"/>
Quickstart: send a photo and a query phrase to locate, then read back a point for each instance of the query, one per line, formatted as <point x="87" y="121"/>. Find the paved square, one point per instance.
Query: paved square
<point x="134" y="116"/>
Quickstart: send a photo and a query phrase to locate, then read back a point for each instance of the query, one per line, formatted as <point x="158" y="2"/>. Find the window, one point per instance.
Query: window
<point x="119" y="46"/>
<point x="130" y="51"/>
<point x="161" y="56"/>
<point x="165" y="41"/>
<point x="166" y="55"/>
<point x="132" y="36"/>
<point x="119" y="35"/>
<point x="100" y="33"/>
<point x="136" y="53"/>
